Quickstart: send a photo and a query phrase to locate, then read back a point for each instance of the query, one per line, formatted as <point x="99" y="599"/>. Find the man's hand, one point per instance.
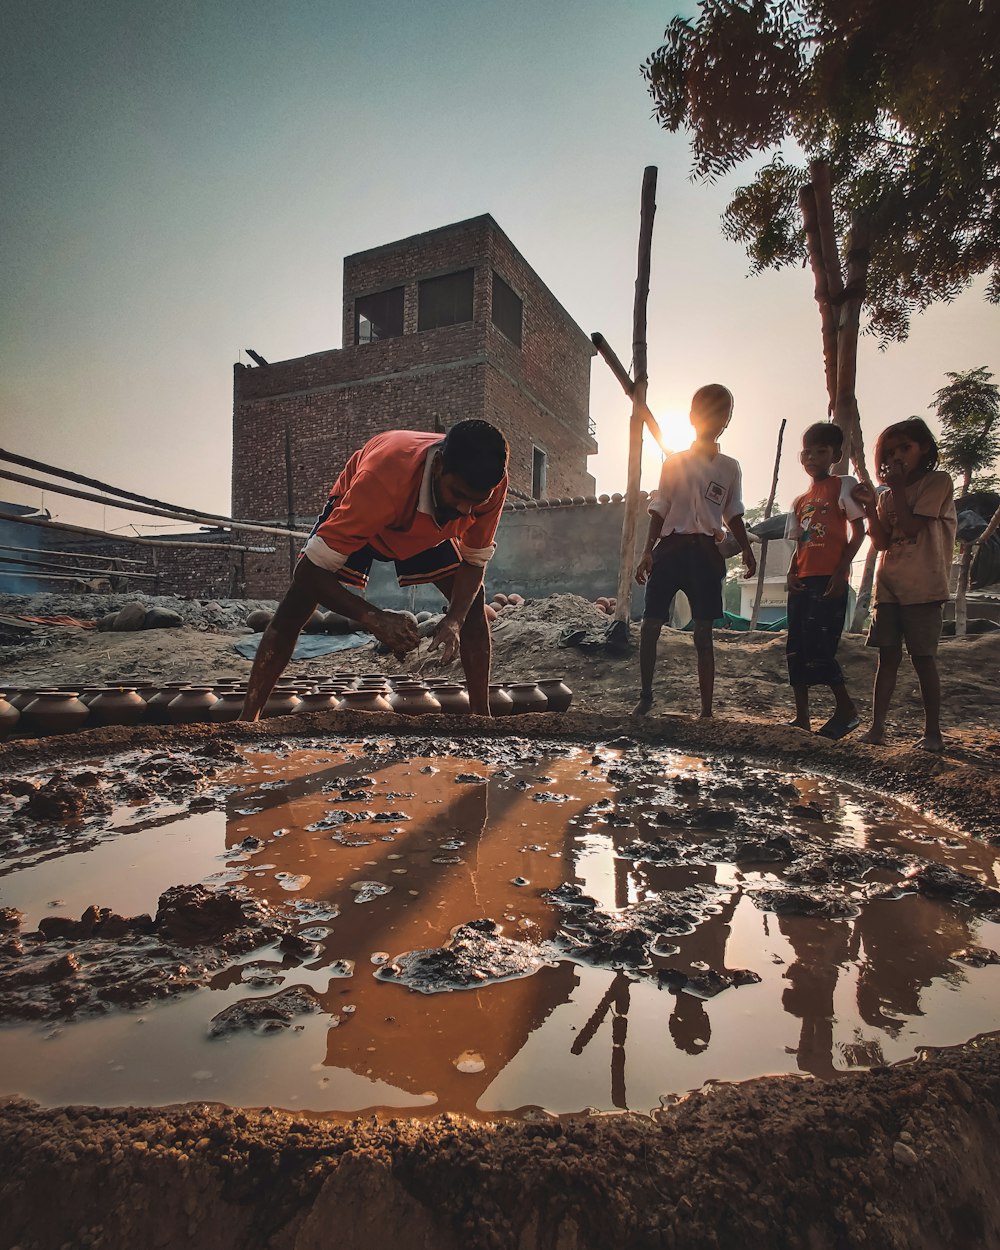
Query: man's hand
<point x="749" y="564"/>
<point x="644" y="568"/>
<point x="794" y="583"/>
<point x="838" y="585"/>
<point x="446" y="636"/>
<point x="396" y="629"/>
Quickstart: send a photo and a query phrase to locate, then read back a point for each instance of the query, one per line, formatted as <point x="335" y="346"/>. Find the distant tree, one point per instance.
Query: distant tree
<point x="895" y="105"/>
<point x="752" y="515"/>
<point x="969" y="411"/>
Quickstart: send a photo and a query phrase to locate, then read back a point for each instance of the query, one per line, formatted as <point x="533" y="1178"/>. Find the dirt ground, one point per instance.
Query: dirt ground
<point x="895" y="1157"/>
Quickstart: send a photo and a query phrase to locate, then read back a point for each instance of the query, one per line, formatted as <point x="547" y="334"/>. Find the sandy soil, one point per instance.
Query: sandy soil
<point x="895" y="1157"/>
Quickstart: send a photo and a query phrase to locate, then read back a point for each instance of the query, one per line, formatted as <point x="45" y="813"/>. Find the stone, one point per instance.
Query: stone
<point x="131" y="617"/>
<point x="162" y="618"/>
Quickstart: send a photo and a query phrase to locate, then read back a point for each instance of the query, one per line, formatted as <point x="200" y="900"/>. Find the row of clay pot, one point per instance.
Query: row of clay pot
<point x="176" y="703"/>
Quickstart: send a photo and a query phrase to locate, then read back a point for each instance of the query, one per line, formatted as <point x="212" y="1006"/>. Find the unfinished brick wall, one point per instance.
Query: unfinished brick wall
<point x="295" y="422"/>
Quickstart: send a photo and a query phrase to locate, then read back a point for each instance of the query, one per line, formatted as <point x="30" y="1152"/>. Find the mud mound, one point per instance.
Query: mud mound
<point x="898" y="1158"/>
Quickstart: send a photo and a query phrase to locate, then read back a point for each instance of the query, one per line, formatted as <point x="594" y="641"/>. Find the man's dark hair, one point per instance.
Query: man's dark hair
<point x="476" y="452"/>
<point x="824" y="434"/>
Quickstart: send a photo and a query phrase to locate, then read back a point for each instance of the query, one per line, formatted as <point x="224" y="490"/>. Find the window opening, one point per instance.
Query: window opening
<point x="378" y="316"/>
<point x="507" y="310"/>
<point x="539" y="463"/>
<point x="445" y="301"/>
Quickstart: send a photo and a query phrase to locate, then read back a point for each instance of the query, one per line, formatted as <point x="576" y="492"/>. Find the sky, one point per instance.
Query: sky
<point x="183" y="179"/>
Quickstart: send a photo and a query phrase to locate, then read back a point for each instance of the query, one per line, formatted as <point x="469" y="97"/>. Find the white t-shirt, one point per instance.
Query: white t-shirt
<point x="697" y="493"/>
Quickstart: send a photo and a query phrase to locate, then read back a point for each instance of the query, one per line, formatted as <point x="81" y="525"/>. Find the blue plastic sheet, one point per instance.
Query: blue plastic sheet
<point x="308" y="645"/>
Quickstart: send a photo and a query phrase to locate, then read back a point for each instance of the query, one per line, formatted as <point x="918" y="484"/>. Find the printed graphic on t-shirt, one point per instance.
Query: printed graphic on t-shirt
<point x="813" y="528"/>
<point x="715" y="493"/>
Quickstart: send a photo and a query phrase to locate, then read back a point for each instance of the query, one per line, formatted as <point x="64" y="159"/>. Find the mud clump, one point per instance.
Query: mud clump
<point x="264" y="1015"/>
<point x="60" y="798"/>
<point x="476" y="954"/>
<point x="193" y="915"/>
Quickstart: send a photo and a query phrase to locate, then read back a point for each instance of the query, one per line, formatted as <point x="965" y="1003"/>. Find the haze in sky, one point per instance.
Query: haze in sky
<point x="183" y="179"/>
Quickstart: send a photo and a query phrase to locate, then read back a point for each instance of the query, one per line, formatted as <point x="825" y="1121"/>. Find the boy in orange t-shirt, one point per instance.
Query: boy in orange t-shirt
<point x="817" y="578"/>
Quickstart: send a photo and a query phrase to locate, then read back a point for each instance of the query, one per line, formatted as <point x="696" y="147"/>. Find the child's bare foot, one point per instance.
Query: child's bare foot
<point x="875" y="736"/>
<point x="799" y="724"/>
<point x="643" y="707"/>
<point x="931" y="742"/>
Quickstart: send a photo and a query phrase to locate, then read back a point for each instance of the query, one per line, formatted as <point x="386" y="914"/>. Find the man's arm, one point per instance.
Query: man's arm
<point x="465" y="587"/>
<point x="877" y="532"/>
<point x="842" y="574"/>
<point x="739" y="532"/>
<point x="312" y="585"/>
<point x="645" y="565"/>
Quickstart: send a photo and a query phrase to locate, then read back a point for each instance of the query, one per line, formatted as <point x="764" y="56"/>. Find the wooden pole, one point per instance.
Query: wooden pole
<point x="64" y="527"/>
<point x="25" y="562"/>
<point x="961" y="604"/>
<point x="627" y="559"/>
<point x="40" y="467"/>
<point x="628" y="386"/>
<point x="192" y="517"/>
<point x="767" y="512"/>
<point x="73" y="555"/>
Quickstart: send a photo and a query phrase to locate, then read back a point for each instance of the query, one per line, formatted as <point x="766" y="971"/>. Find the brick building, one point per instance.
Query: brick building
<point x="438" y="327"/>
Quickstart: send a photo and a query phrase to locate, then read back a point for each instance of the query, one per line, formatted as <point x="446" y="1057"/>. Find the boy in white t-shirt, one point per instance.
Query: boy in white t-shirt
<point x="700" y="490"/>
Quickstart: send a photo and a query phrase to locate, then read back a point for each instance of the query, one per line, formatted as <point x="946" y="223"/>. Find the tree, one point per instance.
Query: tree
<point x="895" y="105"/>
<point x="969" y="411"/>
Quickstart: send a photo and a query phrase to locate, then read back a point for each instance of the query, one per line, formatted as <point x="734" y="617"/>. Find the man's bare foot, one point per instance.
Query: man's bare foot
<point x="875" y="736"/>
<point x="931" y="742"/>
<point x="643" y="707"/>
<point x="799" y="724"/>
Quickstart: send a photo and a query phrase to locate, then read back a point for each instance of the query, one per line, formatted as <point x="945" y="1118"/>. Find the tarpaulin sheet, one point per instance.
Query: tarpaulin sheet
<point x="308" y="645"/>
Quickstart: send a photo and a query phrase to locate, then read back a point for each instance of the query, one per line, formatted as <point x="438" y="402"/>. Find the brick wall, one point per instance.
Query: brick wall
<point x="295" y="422"/>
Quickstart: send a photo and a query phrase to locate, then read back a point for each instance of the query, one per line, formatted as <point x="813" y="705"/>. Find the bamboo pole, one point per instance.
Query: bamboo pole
<point x="627" y="558"/>
<point x="66" y="528"/>
<point x="73" y="555"/>
<point x="27" y="562"/>
<point x="961" y="591"/>
<point x="40" y="467"/>
<point x="193" y="518"/>
<point x="627" y="385"/>
<point x="767" y="512"/>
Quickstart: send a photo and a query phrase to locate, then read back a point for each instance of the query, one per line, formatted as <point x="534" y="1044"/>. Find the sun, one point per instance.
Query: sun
<point x="677" y="434"/>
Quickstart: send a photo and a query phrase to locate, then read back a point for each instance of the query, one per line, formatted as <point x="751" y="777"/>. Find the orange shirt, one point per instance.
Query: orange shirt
<point x="818" y="523"/>
<point x="383" y="499"/>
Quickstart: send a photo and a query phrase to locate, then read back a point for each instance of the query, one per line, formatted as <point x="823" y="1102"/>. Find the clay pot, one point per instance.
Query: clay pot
<point x="227" y="706"/>
<point x="413" y="700"/>
<point x="117" y="705"/>
<point x="258" y="620"/>
<point x="54" y="712"/>
<point x="363" y="701"/>
<point x="557" y="692"/>
<point x="191" y="704"/>
<point x="316" y="623"/>
<point x="453" y="698"/>
<point x="157" y="704"/>
<point x="19" y="697"/>
<point x="501" y="704"/>
<point x="89" y="693"/>
<point x="527" y="697"/>
<point x="283" y="701"/>
<point x="318" y="701"/>
<point x="9" y="716"/>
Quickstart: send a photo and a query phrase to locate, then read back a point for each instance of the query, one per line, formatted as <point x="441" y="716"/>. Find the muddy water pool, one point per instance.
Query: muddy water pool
<point x="658" y="921"/>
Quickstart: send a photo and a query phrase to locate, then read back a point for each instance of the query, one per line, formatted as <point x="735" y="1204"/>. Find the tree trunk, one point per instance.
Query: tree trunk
<point x="845" y="410"/>
<point x="864" y="591"/>
<point x="821" y="290"/>
<point x="961" y="609"/>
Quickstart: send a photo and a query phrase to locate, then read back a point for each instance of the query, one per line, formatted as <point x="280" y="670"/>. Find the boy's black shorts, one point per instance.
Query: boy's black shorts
<point x="688" y="562"/>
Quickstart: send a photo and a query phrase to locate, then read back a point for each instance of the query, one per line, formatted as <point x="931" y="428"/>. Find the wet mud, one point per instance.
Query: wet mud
<point x="772" y="1162"/>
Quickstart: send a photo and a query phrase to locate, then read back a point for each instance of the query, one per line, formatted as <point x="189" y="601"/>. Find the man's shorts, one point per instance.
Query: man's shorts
<point x="688" y="562"/>
<point x="916" y="624"/>
<point x="425" y="566"/>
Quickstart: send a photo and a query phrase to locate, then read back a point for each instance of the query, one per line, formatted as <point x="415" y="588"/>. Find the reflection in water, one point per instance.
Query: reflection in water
<point x="390" y="854"/>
